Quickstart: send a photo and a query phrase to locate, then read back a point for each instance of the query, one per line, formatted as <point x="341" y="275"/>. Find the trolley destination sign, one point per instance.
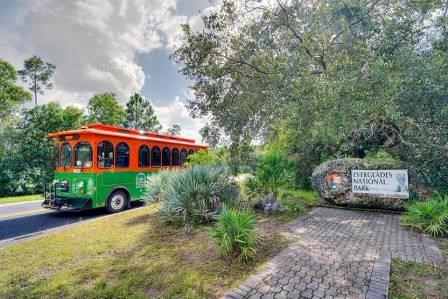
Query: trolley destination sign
<point x="391" y="183"/>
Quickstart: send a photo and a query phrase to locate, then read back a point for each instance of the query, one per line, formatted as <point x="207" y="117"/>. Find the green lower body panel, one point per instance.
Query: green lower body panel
<point x="83" y="191"/>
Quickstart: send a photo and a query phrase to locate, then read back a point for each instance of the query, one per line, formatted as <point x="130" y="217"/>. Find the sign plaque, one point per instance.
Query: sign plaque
<point x="380" y="183"/>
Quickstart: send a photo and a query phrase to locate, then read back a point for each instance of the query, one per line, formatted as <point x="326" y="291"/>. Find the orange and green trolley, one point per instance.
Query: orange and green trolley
<point x="105" y="166"/>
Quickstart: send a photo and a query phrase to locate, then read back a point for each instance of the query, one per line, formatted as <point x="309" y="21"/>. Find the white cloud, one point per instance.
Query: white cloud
<point x="175" y="112"/>
<point x="93" y="43"/>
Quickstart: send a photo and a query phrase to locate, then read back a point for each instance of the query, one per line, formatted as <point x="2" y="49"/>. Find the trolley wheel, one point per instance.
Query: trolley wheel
<point x="116" y="202"/>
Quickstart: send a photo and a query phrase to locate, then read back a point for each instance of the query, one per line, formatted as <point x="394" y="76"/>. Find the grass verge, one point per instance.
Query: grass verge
<point x="307" y="198"/>
<point x="21" y="198"/>
<point x="131" y="254"/>
<point x="413" y="280"/>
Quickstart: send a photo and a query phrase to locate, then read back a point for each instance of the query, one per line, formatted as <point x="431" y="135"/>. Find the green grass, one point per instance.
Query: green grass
<point x="413" y="280"/>
<point x="307" y="198"/>
<point x="21" y="198"/>
<point x="131" y="254"/>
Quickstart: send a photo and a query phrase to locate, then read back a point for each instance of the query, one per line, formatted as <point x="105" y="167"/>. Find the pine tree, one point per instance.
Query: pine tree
<point x="38" y="74"/>
<point x="140" y="115"/>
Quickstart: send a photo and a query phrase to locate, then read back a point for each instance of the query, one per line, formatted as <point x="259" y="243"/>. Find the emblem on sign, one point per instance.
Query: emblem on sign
<point x="140" y="180"/>
<point x="334" y="179"/>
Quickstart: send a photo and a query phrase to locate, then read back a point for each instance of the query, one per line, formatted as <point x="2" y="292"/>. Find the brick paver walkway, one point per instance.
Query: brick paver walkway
<point x="339" y="254"/>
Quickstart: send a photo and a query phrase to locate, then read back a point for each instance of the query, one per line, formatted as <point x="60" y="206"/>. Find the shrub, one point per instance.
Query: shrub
<point x="154" y="186"/>
<point x="253" y="188"/>
<point x="203" y="157"/>
<point x="235" y="233"/>
<point x="291" y="202"/>
<point x="191" y="196"/>
<point x="428" y="216"/>
<point x="274" y="171"/>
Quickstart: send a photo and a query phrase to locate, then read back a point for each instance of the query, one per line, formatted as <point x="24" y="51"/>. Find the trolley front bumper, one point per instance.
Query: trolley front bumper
<point x="67" y="204"/>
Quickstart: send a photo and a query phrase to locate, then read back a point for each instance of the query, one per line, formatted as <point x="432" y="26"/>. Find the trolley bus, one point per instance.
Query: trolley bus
<point x="105" y="166"/>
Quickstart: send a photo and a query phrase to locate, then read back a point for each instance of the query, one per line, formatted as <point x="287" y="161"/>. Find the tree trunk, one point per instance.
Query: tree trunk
<point x="35" y="89"/>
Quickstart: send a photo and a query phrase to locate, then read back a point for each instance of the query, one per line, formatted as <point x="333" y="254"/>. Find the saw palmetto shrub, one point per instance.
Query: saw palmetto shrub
<point x="428" y="216"/>
<point x="191" y="196"/>
<point x="235" y="233"/>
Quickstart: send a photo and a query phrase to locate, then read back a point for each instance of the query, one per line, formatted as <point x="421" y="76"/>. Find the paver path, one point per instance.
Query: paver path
<point x="339" y="254"/>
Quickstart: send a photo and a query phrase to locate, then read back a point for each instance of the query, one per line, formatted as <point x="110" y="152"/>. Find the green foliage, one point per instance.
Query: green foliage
<point x="104" y="108"/>
<point x="140" y="115"/>
<point x="297" y="200"/>
<point x="291" y="203"/>
<point x="428" y="216"/>
<point x="334" y="78"/>
<point x="29" y="159"/>
<point x="191" y="196"/>
<point x="253" y="188"/>
<point x="205" y="157"/>
<point x="235" y="233"/>
<point x="38" y="74"/>
<point x="11" y="95"/>
<point x="273" y="171"/>
<point x="156" y="186"/>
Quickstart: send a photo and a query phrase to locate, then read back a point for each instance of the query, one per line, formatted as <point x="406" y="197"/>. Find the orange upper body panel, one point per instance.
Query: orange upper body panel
<point x="94" y="134"/>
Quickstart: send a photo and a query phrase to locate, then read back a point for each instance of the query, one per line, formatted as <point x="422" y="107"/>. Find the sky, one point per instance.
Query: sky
<point x="122" y="46"/>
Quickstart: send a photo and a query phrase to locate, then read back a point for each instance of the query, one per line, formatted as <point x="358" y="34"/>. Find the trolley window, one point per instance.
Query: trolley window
<point x="155" y="157"/>
<point x="143" y="156"/>
<point x="66" y="155"/>
<point x="56" y="155"/>
<point x="83" y="155"/>
<point x="183" y="156"/>
<point x="166" y="156"/>
<point x="122" y="155"/>
<point x="175" y="157"/>
<point x="105" y="154"/>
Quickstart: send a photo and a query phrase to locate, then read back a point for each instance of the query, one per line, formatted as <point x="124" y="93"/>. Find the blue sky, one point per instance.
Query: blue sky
<point x="121" y="46"/>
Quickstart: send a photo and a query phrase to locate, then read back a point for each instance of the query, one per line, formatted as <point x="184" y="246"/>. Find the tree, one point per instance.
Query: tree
<point x="11" y="96"/>
<point x="38" y="73"/>
<point x="29" y="159"/>
<point x="174" y="130"/>
<point x="329" y="73"/>
<point x="104" y="108"/>
<point x="140" y="115"/>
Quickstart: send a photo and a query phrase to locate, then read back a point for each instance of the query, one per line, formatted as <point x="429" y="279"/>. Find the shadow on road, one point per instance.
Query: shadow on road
<point x="24" y="226"/>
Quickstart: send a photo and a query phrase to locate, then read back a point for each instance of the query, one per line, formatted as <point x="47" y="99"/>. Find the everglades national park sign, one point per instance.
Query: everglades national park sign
<point x="364" y="183"/>
<point x="391" y="183"/>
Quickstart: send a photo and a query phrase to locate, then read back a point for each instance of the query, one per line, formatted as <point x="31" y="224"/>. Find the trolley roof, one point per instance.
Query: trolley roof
<point x="100" y="129"/>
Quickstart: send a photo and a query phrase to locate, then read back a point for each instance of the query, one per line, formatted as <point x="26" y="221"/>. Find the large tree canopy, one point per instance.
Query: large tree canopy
<point x="337" y="77"/>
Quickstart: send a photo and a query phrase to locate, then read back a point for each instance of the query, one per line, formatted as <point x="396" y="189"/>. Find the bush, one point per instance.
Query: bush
<point x="204" y="157"/>
<point x="291" y="202"/>
<point x="428" y="216"/>
<point x="235" y="233"/>
<point x="273" y="171"/>
<point x="191" y="196"/>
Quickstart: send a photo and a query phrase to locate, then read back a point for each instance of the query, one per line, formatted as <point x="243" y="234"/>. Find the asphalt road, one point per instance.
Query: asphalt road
<point x="23" y="220"/>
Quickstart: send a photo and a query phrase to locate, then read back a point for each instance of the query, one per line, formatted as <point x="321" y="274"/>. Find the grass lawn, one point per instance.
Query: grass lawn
<point x="20" y="198"/>
<point x="412" y="280"/>
<point x="131" y="254"/>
